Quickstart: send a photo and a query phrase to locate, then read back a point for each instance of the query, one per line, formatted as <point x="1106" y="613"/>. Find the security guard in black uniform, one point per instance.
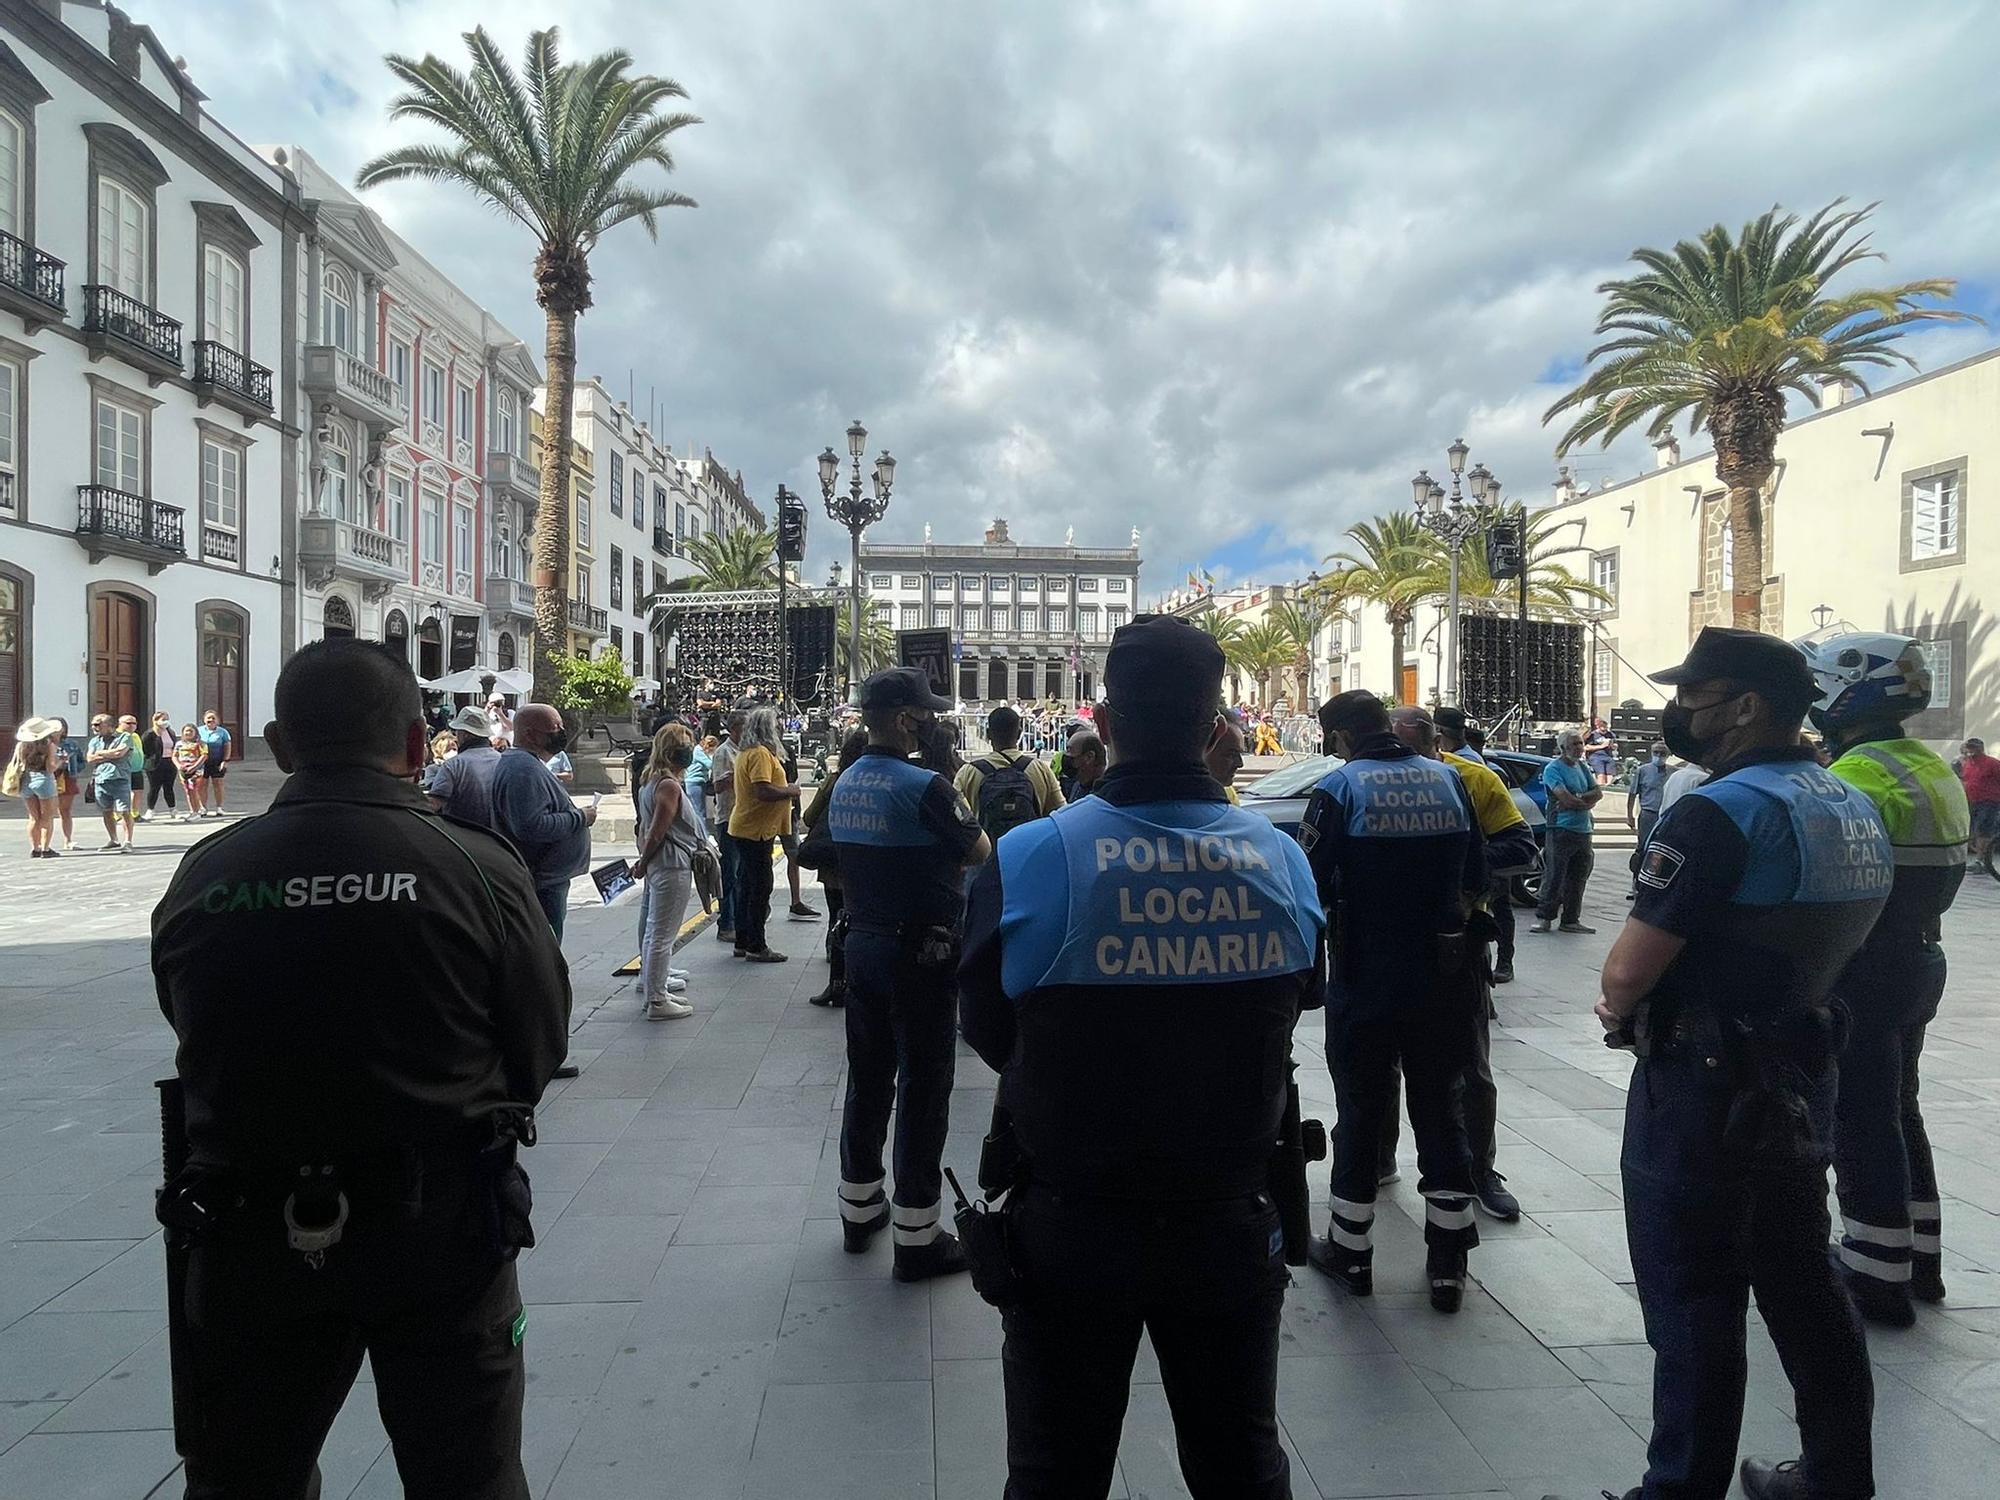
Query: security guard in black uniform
<point x="904" y="838"/>
<point x="1135" y="965"/>
<point x="1756" y="889"/>
<point x="369" y="1004"/>
<point x="1396" y="850"/>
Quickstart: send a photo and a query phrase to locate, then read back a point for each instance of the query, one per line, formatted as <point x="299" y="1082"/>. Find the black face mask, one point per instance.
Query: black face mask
<point x="1677" y="729"/>
<point x="681" y="757"/>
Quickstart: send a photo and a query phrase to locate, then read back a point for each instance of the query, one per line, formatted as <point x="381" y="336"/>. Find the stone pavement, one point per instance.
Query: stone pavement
<point x="694" y="1329"/>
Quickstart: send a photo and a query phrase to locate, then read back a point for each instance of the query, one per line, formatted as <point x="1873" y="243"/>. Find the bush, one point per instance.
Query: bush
<point x="594" y="686"/>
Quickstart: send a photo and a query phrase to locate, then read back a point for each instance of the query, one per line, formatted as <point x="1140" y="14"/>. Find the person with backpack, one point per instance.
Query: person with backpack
<point x="1007" y="786"/>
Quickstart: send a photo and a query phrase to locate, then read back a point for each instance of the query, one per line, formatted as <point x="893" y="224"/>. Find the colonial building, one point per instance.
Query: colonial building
<point x="413" y="392"/>
<point x="148" y="409"/>
<point x="719" y="496"/>
<point x="1026" y="622"/>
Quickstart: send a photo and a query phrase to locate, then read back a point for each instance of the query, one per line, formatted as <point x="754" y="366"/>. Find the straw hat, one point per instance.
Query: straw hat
<point x="36" y="729"/>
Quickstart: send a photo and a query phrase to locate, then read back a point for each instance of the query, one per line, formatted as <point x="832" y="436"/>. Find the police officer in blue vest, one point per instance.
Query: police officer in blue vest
<point x="1135" y="965"/>
<point x="1755" y="891"/>
<point x="905" y="837"/>
<point x="1396" y="851"/>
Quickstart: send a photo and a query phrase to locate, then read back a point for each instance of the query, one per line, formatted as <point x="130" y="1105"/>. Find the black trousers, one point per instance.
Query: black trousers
<point x="1647" y="822"/>
<point x="162" y="777"/>
<point x="1205" y="1281"/>
<point x="1706" y="1229"/>
<point x="1478" y="1102"/>
<point x="753" y="892"/>
<point x="273" y="1349"/>
<point x="902" y="1036"/>
<point x="1500" y="897"/>
<point x="836" y="933"/>
<point x="1566" y="866"/>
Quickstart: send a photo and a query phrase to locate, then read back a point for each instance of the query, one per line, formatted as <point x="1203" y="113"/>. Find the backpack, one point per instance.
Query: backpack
<point x="1007" y="798"/>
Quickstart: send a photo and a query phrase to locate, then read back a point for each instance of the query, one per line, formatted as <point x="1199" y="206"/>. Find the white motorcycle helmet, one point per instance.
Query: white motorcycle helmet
<point x="1866" y="677"/>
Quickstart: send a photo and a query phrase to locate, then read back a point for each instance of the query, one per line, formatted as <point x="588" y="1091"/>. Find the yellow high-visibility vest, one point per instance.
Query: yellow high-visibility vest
<point x="1922" y="803"/>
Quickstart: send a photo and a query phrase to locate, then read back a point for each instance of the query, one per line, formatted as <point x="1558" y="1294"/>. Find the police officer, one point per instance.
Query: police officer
<point x="1398" y="858"/>
<point x="369" y="1004"/>
<point x="1135" y="964"/>
<point x="1889" y="1245"/>
<point x="1756" y="889"/>
<point x="904" y="837"/>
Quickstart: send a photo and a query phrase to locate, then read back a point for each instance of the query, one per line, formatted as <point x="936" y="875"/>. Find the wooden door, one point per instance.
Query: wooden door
<point x="1406" y="691"/>
<point x="221" y="679"/>
<point x="117" y="656"/>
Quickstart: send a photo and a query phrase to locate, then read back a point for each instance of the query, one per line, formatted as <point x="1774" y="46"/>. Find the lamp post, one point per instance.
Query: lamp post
<point x="856" y="511"/>
<point x="1454" y="517"/>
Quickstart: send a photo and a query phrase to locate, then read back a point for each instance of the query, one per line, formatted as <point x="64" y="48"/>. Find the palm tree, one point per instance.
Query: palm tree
<point x="878" y="641"/>
<point x="1299" y="620"/>
<point x="1261" y="651"/>
<point x="1225" y="628"/>
<point x="555" y="150"/>
<point x="1552" y="586"/>
<point x="729" y="560"/>
<point x="1390" y="569"/>
<point x="1721" y="329"/>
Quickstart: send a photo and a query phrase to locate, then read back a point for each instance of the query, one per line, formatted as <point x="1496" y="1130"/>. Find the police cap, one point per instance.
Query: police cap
<point x="1356" y="711"/>
<point x="900" y="687"/>
<point x="1161" y="661"/>
<point x="1758" y="662"/>
<point x="1452" y="721"/>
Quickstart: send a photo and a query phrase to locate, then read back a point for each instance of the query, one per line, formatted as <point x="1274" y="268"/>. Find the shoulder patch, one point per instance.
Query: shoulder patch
<point x="1660" y="865"/>
<point x="1308" y="835"/>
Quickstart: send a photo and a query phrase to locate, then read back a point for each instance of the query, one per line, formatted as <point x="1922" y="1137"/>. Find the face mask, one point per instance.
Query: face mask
<point x="1659" y="758"/>
<point x="1677" y="729"/>
<point x="681" y="757"/>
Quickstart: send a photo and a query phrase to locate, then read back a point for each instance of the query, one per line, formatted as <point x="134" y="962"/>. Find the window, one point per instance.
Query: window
<point x="399" y="507"/>
<point x="910" y="581"/>
<point x="1354" y="676"/>
<point x="433" y="524"/>
<point x="910" y="617"/>
<point x="1604" y="573"/>
<point x="881" y="580"/>
<point x="13" y="177"/>
<point x="121" y="451"/>
<point x="122" y="243"/>
<point x="462" y="415"/>
<point x="399" y="374"/>
<point x="1113" y="618"/>
<point x="618" y="579"/>
<point x="221" y="487"/>
<point x="1939" y="651"/>
<point x="337" y="472"/>
<point x="1029" y="586"/>
<point x="222" y="298"/>
<point x="659" y="581"/>
<point x="10" y="426"/>
<point x="1028" y="619"/>
<point x="1935" y="512"/>
<point x="1603" y="672"/>
<point x="998" y="585"/>
<point x="971" y="615"/>
<point x="505" y="651"/>
<point x="1114" y="585"/>
<point x="505" y="437"/>
<point x="433" y="394"/>
<point x="638" y="501"/>
<point x="1086" y="621"/>
<point x="1728" y="558"/>
<point x="336" y="308"/>
<point x="969" y="584"/>
<point x="680" y="521"/>
<point x="579" y="586"/>
<point x="1086" y="585"/>
<point x="660" y="509"/>
<point x="638" y="586"/>
<point x="1058" y="621"/>
<point x="461" y="542"/>
<point x="1058" y="585"/>
<point x="941" y="616"/>
<point x="638" y="654"/>
<point x="618" y="640"/>
<point x="617" y="483"/>
<point x="582" y="523"/>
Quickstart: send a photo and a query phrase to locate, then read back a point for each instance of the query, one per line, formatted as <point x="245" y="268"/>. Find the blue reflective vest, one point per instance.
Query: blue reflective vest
<point x="1154" y="893"/>
<point x="1828" y="845"/>
<point x="1399" y="799"/>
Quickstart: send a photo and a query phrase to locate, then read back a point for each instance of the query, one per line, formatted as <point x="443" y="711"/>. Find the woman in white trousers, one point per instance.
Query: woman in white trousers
<point x="669" y="832"/>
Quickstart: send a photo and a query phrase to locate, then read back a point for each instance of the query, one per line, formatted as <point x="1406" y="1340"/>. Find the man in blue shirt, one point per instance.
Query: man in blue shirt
<point x="536" y="813"/>
<point x="1567" y="862"/>
<point x="1649" y="785"/>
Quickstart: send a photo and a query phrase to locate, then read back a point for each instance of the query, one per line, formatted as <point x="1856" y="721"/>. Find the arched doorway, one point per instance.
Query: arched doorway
<point x="996" y="679"/>
<point x="337" y="618"/>
<point x="505" y="651"/>
<point x="1024" y="680"/>
<point x="396" y="634"/>
<point x="430" y="650"/>
<point x="121" y="634"/>
<point x="220" y="684"/>
<point x="15" y="655"/>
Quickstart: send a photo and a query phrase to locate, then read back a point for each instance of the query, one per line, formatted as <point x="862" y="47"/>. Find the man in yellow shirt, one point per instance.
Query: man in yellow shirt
<point x="1023" y="787"/>
<point x="763" y="811"/>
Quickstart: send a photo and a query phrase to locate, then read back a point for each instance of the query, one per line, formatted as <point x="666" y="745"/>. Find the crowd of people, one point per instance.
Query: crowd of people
<point x="113" y="769"/>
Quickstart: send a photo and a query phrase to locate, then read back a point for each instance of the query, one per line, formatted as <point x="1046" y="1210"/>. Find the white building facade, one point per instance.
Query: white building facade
<point x="148" y="417"/>
<point x="1027" y="622"/>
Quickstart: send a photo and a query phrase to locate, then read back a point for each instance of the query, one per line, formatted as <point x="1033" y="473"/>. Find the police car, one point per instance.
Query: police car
<point x="1282" y="796"/>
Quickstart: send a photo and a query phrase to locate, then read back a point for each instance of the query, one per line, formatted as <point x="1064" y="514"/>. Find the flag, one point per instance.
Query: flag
<point x="1193" y="582"/>
<point x="1209" y="579"/>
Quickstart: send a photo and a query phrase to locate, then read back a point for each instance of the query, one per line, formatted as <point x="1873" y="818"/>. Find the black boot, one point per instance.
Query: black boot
<point x="1764" y="1479"/>
<point x="943" y="1256"/>
<point x="834" y="995"/>
<point x="1446" y="1269"/>
<point x="856" y="1233"/>
<point x="1884" y="1302"/>
<point x="1353" y="1269"/>
<point x="1927" y="1277"/>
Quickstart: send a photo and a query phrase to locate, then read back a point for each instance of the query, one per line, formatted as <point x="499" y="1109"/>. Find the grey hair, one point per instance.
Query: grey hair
<point x="1567" y="735"/>
<point x="760" y="727"/>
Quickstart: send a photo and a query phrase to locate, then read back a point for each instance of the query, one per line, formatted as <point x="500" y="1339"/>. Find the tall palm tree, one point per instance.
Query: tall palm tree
<point x="1225" y="628"/>
<point x="1389" y="568"/>
<point x="729" y="560"/>
<point x="556" y="150"/>
<point x="1299" y="620"/>
<point x="1720" y="328"/>
<point x="1261" y="651"/>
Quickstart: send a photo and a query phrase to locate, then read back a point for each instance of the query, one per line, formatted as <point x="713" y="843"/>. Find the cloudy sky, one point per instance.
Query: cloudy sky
<point x="1223" y="270"/>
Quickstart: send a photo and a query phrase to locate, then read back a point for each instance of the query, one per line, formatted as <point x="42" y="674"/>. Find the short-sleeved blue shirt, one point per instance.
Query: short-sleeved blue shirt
<point x="1575" y="779"/>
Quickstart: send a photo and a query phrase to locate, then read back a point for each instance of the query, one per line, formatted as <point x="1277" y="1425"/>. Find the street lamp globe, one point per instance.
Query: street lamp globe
<point x="1420" y="489"/>
<point x="829" y="469"/>
<point x="1477" y="479"/>
<point x="885" y="475"/>
<point x="857" y="439"/>
<point x="1456" y="453"/>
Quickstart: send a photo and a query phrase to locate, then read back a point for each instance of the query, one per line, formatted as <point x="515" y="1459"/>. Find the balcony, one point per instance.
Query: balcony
<point x="7" y="491"/>
<point x="221" y="546"/>
<point x="31" y="283"/>
<point x="588" y="618"/>
<point x="663" y="542"/>
<point x="116" y="324"/>
<point x="509" y="471"/>
<point x="238" y="382"/>
<point x="509" y="596"/>
<point x="352" y="385"/>
<point x="116" y="523"/>
<point x="331" y="548"/>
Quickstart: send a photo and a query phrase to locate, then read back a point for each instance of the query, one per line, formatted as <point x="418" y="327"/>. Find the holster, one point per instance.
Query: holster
<point x="1299" y="1143"/>
<point x="983" y="1233"/>
<point x="1003" y="1165"/>
<point x="505" y="1202"/>
<point x="182" y="1223"/>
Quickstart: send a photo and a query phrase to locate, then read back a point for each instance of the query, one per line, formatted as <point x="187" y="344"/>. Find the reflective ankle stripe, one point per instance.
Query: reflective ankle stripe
<point x="914" y="1226"/>
<point x="1927" y="1244"/>
<point x="1892" y="1236"/>
<point x="1448" y="1210"/>
<point x="1928" y="1227"/>
<point x="1867" y="1265"/>
<point x="861" y="1201"/>
<point x="1354" y="1213"/>
<point x="1351" y="1225"/>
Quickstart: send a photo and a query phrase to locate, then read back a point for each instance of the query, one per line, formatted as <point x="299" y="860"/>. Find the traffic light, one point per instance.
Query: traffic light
<point x="1503" y="549"/>
<point x="791" y="527"/>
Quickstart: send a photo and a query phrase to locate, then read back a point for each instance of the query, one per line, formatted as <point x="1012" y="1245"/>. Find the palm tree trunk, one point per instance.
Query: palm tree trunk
<point x="551" y="547"/>
<point x="1396" y="628"/>
<point x="1746" y="534"/>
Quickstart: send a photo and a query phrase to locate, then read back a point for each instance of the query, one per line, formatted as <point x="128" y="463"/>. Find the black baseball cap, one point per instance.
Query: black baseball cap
<point x="1758" y="662"/>
<point x="1161" y="661"/>
<point x="1356" y="711"/>
<point x="1452" y="721"/>
<point x="901" y="687"/>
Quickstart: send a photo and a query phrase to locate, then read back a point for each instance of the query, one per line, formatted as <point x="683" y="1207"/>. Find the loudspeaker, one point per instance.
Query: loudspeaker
<point x="1488" y="670"/>
<point x="809" y="639"/>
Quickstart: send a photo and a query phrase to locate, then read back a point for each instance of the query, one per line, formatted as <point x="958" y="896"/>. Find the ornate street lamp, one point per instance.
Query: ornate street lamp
<point x="1454" y="517"/>
<point x="857" y="512"/>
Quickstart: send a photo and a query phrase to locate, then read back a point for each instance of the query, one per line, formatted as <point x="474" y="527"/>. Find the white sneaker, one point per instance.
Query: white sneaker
<point x="676" y="984"/>
<point x="677" y="973"/>
<point x="145" y="817"/>
<point x="668" y="1010"/>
